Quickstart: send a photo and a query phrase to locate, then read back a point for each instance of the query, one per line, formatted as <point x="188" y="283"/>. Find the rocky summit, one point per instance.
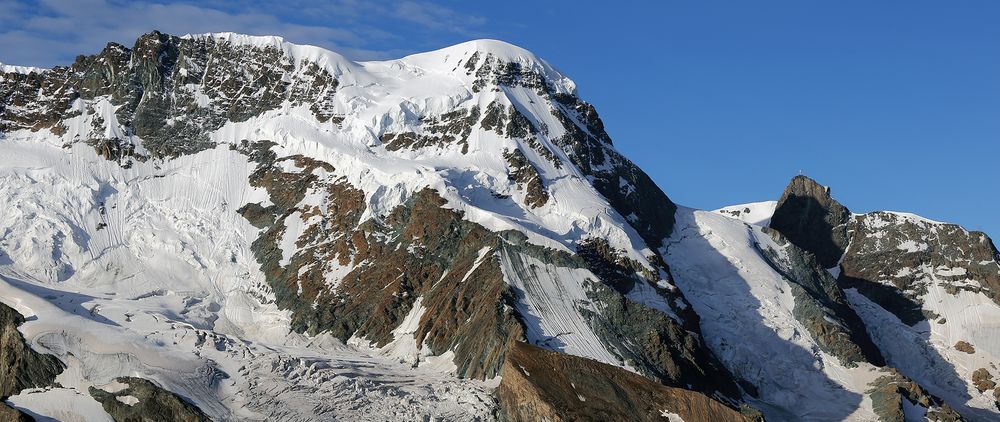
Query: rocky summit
<point x="230" y="227"/>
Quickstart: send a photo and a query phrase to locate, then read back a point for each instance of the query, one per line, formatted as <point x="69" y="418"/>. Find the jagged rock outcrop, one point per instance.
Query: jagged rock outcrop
<point x="892" y="256"/>
<point x="22" y="367"/>
<point x="141" y="400"/>
<point x="541" y="385"/>
<point x="809" y="217"/>
<point x="933" y="279"/>
<point x="889" y="391"/>
<point x="893" y="259"/>
<point x="526" y="175"/>
<point x="167" y="90"/>
<point x="628" y="188"/>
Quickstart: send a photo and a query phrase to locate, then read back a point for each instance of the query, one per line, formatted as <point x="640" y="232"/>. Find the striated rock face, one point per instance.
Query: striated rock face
<point x="141" y="400"/>
<point x="656" y="345"/>
<point x="543" y="385"/>
<point x="809" y="217"/>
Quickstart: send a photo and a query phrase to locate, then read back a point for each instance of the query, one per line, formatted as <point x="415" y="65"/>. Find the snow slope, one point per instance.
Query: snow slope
<point x="142" y="266"/>
<point x="146" y="270"/>
<point x="167" y="290"/>
<point x="746" y="319"/>
<point x="953" y="295"/>
<point x="758" y="213"/>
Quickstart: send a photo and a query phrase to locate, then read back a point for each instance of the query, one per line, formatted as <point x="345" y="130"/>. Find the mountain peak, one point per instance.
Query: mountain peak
<point x="812" y="219"/>
<point x="489" y="55"/>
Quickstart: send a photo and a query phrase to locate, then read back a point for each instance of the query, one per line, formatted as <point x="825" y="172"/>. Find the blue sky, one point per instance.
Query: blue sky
<point x="895" y="104"/>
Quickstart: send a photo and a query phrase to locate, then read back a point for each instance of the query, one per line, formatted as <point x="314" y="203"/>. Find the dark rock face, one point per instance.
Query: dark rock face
<point x="169" y="91"/>
<point x="526" y="175"/>
<point x="452" y="128"/>
<point x="543" y="385"/>
<point x="21" y="366"/>
<point x="152" y="403"/>
<point x="892" y="260"/>
<point x="812" y="220"/>
<point x="888" y="257"/>
<point x="820" y="305"/>
<point x="629" y="190"/>
<point x="492" y="72"/>
<point x="11" y="414"/>
<point x="585" y="142"/>
<point x="657" y="345"/>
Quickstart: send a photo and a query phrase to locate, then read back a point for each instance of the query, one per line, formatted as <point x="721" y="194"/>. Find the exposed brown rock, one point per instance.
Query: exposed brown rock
<point x="964" y="346"/>
<point x="527" y="177"/>
<point x="888" y="392"/>
<point x="418" y="250"/>
<point x="450" y="128"/>
<point x="542" y="385"/>
<point x="983" y="380"/>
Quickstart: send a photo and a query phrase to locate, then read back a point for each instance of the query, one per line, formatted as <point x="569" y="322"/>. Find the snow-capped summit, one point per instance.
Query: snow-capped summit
<point x="472" y="56"/>
<point x="248" y="228"/>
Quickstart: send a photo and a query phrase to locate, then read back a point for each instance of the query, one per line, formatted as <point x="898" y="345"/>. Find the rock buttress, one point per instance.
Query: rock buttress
<point x="541" y="385"/>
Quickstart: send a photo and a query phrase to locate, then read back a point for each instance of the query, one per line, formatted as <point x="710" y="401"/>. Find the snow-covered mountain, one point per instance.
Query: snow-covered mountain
<point x="233" y="227"/>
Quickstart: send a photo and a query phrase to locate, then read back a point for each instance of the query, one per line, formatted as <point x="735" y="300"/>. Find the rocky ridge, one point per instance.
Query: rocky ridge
<point x="936" y="281"/>
<point x="276" y="217"/>
<point x="456" y="250"/>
